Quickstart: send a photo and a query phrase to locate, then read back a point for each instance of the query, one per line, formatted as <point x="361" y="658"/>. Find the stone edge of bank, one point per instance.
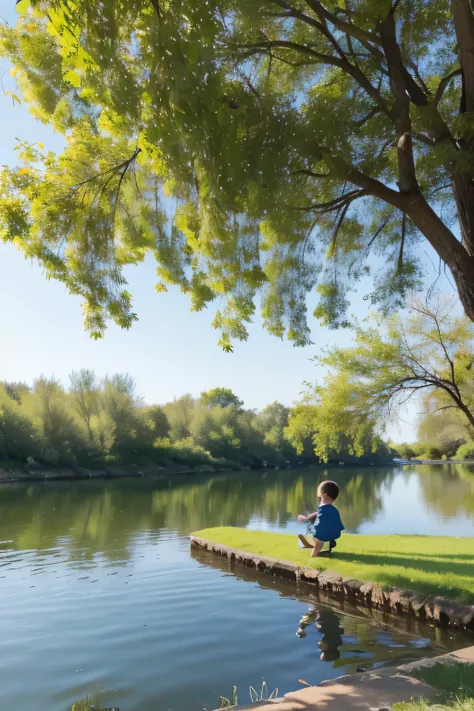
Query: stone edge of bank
<point x="373" y="690"/>
<point x="432" y="609"/>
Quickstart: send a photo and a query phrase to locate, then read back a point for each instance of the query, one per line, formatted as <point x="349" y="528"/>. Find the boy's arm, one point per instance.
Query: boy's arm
<point x="308" y="518"/>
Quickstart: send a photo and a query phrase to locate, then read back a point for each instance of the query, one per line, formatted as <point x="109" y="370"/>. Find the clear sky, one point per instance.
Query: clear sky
<point x="170" y="351"/>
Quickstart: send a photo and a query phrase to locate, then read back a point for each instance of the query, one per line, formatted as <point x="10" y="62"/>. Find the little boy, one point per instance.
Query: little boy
<point x="325" y="524"/>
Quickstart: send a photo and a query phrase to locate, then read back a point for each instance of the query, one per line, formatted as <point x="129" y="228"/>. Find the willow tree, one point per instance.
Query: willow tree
<point x="426" y="353"/>
<point x="251" y="145"/>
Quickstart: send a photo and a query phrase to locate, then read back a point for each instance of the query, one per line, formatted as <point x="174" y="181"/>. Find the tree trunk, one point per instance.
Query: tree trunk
<point x="464" y="27"/>
<point x="467" y="412"/>
<point x="448" y="248"/>
<point x="463" y="188"/>
<point x="400" y="111"/>
<point x="463" y="18"/>
<point x="462" y="269"/>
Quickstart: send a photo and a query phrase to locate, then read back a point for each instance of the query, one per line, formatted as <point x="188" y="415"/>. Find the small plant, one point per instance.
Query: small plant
<point x="225" y="702"/>
<point x="263" y="696"/>
<point x="89" y="703"/>
<point x="255" y="696"/>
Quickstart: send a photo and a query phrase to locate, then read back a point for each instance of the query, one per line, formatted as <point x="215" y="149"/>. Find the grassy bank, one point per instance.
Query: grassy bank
<point x="426" y="564"/>
<point x="454" y="681"/>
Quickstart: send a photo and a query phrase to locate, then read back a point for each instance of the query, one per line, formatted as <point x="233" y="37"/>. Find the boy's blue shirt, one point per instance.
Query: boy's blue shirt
<point x="328" y="524"/>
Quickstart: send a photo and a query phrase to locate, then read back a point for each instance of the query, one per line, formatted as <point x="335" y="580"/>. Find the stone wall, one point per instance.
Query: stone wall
<point x="432" y="609"/>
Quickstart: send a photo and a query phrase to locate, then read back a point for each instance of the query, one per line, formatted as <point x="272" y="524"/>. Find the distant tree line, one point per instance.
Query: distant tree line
<point x="426" y="353"/>
<point x="440" y="436"/>
<point x="95" y="423"/>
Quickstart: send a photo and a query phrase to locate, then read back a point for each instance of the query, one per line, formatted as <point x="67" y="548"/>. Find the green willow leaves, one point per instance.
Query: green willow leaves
<point x="251" y="146"/>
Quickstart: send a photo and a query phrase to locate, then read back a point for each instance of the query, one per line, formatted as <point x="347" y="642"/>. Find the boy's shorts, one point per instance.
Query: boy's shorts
<point x="311" y="530"/>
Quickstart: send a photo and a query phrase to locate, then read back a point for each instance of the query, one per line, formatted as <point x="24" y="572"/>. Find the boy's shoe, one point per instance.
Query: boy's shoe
<point x="326" y="549"/>
<point x="325" y="553"/>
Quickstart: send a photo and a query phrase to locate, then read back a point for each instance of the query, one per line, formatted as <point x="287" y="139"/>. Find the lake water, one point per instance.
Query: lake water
<point x="101" y="593"/>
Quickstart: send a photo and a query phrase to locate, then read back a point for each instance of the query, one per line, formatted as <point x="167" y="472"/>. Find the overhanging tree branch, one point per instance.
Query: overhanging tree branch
<point x="156" y="7"/>
<point x="342" y="25"/>
<point x="444" y="83"/>
<point x="377" y="232"/>
<point x="361" y="122"/>
<point x="311" y="173"/>
<point x="115" y="169"/>
<point x="341" y="62"/>
<point x="336" y="204"/>
<point x="332" y="248"/>
<point x="434" y="317"/>
<point x="256" y="47"/>
<point x="402" y="245"/>
<point x="292" y="11"/>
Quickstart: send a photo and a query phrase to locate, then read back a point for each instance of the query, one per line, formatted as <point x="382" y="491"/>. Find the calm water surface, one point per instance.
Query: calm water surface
<point x="100" y="592"/>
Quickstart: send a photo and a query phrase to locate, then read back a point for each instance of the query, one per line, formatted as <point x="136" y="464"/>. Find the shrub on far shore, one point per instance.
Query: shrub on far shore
<point x="430" y="451"/>
<point x="466" y="451"/>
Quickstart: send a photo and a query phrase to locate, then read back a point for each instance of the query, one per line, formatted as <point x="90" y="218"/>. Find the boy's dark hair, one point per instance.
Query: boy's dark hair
<point x="330" y="488"/>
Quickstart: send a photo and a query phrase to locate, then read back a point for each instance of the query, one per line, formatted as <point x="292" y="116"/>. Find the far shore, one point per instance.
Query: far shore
<point x="13" y="476"/>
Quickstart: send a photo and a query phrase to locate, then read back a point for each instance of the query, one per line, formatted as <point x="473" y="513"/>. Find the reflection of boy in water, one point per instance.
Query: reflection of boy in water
<point x="328" y="624"/>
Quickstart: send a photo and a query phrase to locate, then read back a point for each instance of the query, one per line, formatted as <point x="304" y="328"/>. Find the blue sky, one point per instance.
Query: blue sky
<point x="170" y="351"/>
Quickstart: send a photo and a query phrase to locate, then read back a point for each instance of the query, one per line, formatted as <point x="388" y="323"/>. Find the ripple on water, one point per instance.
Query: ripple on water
<point x="119" y="604"/>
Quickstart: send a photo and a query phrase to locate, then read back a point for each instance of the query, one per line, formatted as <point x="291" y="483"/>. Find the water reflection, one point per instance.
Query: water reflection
<point x="448" y="489"/>
<point x="99" y="590"/>
<point x="327" y="624"/>
<point x="105" y="517"/>
<point x="348" y="637"/>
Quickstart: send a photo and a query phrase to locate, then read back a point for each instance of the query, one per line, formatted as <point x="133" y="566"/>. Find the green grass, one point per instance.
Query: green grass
<point x="454" y="679"/>
<point x="458" y="705"/>
<point x="429" y="565"/>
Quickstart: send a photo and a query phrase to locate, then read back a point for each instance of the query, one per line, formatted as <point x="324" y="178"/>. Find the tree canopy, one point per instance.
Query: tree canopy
<point x="221" y="397"/>
<point x="429" y="353"/>
<point x="251" y="146"/>
<point x="101" y="422"/>
<point x="446" y="429"/>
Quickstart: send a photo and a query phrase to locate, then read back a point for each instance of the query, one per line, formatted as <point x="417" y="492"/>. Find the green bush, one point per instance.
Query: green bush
<point x="19" y="438"/>
<point x="417" y="449"/>
<point x="187" y="452"/>
<point x="405" y="451"/>
<point x="466" y="451"/>
<point x="430" y="451"/>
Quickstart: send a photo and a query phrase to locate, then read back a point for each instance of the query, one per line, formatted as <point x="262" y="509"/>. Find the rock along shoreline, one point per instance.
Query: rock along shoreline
<point x="432" y="609"/>
<point x="132" y="472"/>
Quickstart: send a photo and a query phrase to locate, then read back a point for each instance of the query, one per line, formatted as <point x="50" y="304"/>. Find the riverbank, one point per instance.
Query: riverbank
<point x="431" y="578"/>
<point x="22" y="474"/>
<point x="133" y="471"/>
<point x="10" y="474"/>
<point x="422" y="681"/>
